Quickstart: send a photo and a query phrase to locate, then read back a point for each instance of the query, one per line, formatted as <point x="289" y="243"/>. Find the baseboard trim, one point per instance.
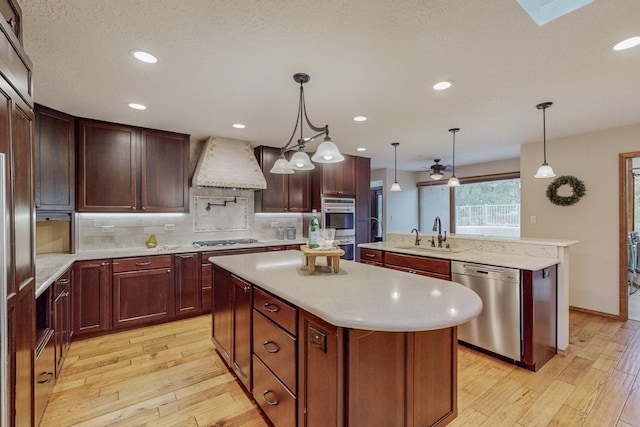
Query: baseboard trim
<point x="595" y="313"/>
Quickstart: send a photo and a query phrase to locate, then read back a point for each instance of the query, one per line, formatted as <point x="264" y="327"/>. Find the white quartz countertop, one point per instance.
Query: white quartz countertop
<point x="523" y="262"/>
<point x="50" y="266"/>
<point x="360" y="296"/>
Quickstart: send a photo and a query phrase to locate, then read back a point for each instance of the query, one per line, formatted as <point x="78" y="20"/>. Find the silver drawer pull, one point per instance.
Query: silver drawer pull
<point x="370" y="255"/>
<point x="264" y="397"/>
<point x="63" y="281"/>
<point x="140" y="264"/>
<point x="272" y="349"/>
<point x="49" y="377"/>
<point x="275" y="308"/>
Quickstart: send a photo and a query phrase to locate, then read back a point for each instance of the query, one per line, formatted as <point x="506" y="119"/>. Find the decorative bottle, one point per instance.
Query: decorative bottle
<point x="314" y="230"/>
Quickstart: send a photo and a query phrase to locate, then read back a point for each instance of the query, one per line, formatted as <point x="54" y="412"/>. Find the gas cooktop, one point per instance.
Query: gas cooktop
<point x="226" y="242"/>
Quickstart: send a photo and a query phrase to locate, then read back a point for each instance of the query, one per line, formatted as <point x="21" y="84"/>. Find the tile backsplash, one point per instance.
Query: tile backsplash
<point x="125" y="230"/>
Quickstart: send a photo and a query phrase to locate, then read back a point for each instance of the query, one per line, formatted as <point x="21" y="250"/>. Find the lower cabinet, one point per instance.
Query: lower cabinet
<point x="275" y="357"/>
<point x="142" y="290"/>
<point x="62" y="318"/>
<point x="91" y="297"/>
<point x="188" y="289"/>
<point x="45" y="371"/>
<point x="371" y="257"/>
<point x="425" y="266"/>
<point x="231" y="322"/>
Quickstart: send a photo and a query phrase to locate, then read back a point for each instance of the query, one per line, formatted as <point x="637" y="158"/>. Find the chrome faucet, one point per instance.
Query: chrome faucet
<point x="437" y="226"/>
<point x="417" y="236"/>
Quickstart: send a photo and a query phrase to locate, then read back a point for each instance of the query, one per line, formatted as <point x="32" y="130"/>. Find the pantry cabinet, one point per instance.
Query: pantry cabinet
<point x="127" y="169"/>
<point x="284" y="193"/>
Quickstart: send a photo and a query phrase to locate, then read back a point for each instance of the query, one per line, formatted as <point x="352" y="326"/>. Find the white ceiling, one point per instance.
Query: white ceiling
<point x="223" y="62"/>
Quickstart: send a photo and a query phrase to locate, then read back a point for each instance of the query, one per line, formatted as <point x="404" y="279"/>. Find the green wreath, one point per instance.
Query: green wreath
<point x="577" y="186"/>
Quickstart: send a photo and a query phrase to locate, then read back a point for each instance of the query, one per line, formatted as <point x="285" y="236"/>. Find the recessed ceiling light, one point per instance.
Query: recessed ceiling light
<point x="137" y="106"/>
<point x="627" y="44"/>
<point x="443" y="85"/>
<point x="359" y="119"/>
<point x="144" y="56"/>
<point x="361" y="149"/>
<point x="238" y="126"/>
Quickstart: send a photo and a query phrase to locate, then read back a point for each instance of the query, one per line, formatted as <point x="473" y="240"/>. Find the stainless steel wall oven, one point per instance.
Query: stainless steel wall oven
<point x="339" y="213"/>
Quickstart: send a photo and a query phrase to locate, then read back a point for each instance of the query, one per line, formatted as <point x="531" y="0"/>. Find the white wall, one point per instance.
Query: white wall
<point x="400" y="209"/>
<point x="593" y="158"/>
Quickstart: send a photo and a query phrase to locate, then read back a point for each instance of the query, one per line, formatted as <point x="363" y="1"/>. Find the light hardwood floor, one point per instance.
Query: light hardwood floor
<point x="169" y="375"/>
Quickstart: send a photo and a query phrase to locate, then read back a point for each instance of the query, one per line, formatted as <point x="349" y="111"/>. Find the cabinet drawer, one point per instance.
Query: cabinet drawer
<point x="141" y="263"/>
<point x="275" y="309"/>
<point x="276" y="348"/>
<point x="274" y="398"/>
<point x="434" y="265"/>
<point x="370" y="255"/>
<point x="420" y="272"/>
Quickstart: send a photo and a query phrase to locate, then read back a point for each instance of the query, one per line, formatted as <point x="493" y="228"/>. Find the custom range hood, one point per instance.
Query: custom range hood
<point x="228" y="163"/>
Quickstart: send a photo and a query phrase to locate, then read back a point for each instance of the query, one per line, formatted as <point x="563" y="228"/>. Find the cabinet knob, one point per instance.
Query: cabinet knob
<point x="270" y="347"/>
<point x="103" y="264"/>
<point x="269" y="402"/>
<point x="246" y="288"/>
<point x="271" y="308"/>
<point x="168" y="270"/>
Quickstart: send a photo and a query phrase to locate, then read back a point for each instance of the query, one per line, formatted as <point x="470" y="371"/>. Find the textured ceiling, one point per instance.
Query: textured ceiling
<point x="223" y="62"/>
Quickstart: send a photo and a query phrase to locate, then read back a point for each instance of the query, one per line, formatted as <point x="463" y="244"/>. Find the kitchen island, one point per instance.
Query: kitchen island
<point x="365" y="346"/>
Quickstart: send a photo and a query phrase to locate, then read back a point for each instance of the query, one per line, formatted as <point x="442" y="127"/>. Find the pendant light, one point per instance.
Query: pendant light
<point x="395" y="186"/>
<point x="327" y="151"/>
<point x="453" y="181"/>
<point x="544" y="171"/>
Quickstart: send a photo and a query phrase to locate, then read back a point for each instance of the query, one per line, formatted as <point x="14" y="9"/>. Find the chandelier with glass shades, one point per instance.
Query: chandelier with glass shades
<point x="327" y="151"/>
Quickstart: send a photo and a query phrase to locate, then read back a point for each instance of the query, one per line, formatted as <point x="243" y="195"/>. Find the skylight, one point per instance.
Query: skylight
<point x="544" y="11"/>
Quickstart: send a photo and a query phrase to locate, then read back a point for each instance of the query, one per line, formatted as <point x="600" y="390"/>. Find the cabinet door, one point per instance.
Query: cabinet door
<point x="299" y="191"/>
<point x="222" y="312"/>
<point x="274" y="197"/>
<point x="339" y="178"/>
<point x="62" y="318"/>
<point x="12" y="15"/>
<point x="142" y="297"/>
<point x="363" y="202"/>
<point x="91" y="297"/>
<point x="55" y="157"/>
<point x="242" y="330"/>
<point x="187" y="283"/>
<point x="206" y="280"/>
<point x="164" y="169"/>
<point x="107" y="167"/>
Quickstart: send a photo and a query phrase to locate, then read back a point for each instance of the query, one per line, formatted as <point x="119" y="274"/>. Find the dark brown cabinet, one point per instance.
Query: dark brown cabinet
<point x="336" y="179"/>
<point x="231" y="328"/>
<point x="142" y="290"/>
<point x="127" y="169"/>
<point x="62" y="317"/>
<point x="16" y="143"/>
<point x="372" y="257"/>
<point x="363" y="203"/>
<point x="91" y="297"/>
<point x="188" y="287"/>
<point x="425" y="266"/>
<point x="55" y="159"/>
<point x="284" y="193"/>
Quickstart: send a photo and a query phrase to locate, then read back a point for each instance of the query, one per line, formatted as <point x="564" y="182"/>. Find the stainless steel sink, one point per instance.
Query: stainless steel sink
<point x="431" y="249"/>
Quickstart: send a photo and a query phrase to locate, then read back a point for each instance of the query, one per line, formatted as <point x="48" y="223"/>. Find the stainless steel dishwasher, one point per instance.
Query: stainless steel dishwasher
<point x="498" y="327"/>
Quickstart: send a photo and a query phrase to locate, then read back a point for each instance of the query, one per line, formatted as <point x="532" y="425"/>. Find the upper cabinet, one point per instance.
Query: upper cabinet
<point x="284" y="193"/>
<point x="127" y="169"/>
<point x="55" y="157"/>
<point x="337" y="179"/>
<point x="12" y="16"/>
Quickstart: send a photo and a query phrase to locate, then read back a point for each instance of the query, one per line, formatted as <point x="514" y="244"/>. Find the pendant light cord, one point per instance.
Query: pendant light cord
<point x="544" y="134"/>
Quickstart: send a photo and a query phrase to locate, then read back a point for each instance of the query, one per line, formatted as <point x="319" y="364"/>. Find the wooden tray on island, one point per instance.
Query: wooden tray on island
<point x="333" y="257"/>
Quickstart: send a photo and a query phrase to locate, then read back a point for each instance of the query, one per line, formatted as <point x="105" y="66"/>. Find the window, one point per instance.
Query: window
<point x="486" y="206"/>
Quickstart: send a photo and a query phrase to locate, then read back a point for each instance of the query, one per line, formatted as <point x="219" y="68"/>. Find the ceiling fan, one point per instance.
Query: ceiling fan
<point x="437" y="170"/>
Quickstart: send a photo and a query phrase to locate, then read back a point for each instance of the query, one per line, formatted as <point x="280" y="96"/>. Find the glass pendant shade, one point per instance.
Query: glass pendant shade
<point x="545" y="171"/>
<point x="436" y="175"/>
<point x="281" y="166"/>
<point x="453" y="182"/>
<point x="395" y="187"/>
<point x="327" y="152"/>
<point x="300" y="161"/>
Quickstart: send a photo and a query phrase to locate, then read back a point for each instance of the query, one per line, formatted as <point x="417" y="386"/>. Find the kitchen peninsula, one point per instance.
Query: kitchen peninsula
<point x="365" y="346"/>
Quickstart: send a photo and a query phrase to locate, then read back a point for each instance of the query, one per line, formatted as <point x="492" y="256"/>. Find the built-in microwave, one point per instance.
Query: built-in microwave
<point x="339" y="213"/>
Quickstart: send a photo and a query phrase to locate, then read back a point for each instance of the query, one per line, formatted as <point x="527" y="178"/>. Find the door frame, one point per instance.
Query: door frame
<point x="623" y="186"/>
